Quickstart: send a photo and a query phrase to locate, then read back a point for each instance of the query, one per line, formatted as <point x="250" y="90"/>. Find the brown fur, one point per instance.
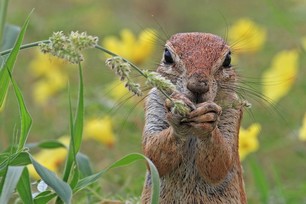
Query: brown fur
<point x="197" y="159"/>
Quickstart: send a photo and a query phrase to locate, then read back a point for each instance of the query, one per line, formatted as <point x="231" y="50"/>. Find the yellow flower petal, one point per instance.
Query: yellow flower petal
<point x="43" y="64"/>
<point x="117" y="90"/>
<point x="302" y="131"/>
<point x="137" y="50"/>
<point x="100" y="130"/>
<point x="248" y="141"/>
<point x="50" y="158"/>
<point x="49" y="86"/>
<point x="280" y="77"/>
<point x="52" y="77"/>
<point x="246" y="36"/>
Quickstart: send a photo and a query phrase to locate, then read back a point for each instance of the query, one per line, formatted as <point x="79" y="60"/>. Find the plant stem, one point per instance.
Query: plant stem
<point x="132" y="65"/>
<point x="115" y="55"/>
<point x="34" y="44"/>
<point x="29" y="45"/>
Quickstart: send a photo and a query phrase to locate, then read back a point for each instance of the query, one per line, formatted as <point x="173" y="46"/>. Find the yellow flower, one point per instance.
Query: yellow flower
<point x="117" y="90"/>
<point x="247" y="36"/>
<point x="131" y="48"/>
<point x="52" y="77"/>
<point x="50" y="158"/>
<point x="248" y="141"/>
<point x="49" y="86"/>
<point x="302" y="131"/>
<point x="280" y="77"/>
<point x="43" y="64"/>
<point x="100" y="130"/>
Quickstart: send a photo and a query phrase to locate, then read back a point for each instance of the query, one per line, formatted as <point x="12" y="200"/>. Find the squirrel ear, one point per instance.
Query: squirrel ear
<point x="168" y="57"/>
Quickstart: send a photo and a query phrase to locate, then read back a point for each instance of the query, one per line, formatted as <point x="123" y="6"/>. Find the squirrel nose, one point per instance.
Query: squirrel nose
<point x="199" y="86"/>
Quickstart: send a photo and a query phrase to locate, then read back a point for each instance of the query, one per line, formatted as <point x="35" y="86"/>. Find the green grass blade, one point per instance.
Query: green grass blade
<point x="76" y="129"/>
<point x="44" y="197"/>
<point x="9" y="63"/>
<point x="71" y="150"/>
<point x="78" y="122"/>
<point x="74" y="178"/>
<point x="10" y="181"/>
<point x="51" y="144"/>
<point x="24" y="187"/>
<point x="61" y="188"/>
<point x="20" y="159"/>
<point x="260" y="181"/>
<point x="26" y="120"/>
<point x="84" y="164"/>
<point x="10" y="36"/>
<point x="127" y="160"/>
<point x="16" y="159"/>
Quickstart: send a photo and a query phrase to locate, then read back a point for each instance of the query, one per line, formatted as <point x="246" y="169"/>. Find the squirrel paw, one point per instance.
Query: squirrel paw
<point x="204" y="118"/>
<point x="201" y="120"/>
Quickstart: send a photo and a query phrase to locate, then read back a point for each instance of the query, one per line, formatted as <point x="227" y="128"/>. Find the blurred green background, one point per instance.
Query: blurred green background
<point x="275" y="173"/>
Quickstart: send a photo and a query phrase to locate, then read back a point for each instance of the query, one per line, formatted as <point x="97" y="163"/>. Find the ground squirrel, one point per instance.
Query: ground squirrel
<point x="196" y="155"/>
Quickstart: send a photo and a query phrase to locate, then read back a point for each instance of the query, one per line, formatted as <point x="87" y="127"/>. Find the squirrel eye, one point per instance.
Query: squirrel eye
<point x="227" y="61"/>
<point x="168" y="57"/>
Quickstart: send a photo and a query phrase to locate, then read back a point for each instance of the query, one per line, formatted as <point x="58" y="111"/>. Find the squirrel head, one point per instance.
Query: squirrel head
<point x="199" y="64"/>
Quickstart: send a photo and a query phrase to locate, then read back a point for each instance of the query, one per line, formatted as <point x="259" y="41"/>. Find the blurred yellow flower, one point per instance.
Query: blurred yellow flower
<point x="280" y="77"/>
<point x="137" y="50"/>
<point x="52" y="78"/>
<point x="43" y="64"/>
<point x="248" y="141"/>
<point x="302" y="131"/>
<point x="117" y="90"/>
<point x="246" y="36"/>
<point x="50" y="158"/>
<point x="49" y="86"/>
<point x="100" y="130"/>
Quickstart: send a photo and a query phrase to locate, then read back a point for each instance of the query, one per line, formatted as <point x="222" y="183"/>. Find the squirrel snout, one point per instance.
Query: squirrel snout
<point x="197" y="86"/>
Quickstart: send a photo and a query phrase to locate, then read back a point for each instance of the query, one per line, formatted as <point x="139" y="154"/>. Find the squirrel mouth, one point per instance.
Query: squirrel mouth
<point x="198" y="98"/>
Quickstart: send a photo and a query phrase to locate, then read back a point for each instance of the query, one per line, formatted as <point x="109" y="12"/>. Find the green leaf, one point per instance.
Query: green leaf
<point x="11" y="33"/>
<point x="24" y="187"/>
<point x="20" y="159"/>
<point x="84" y="164"/>
<point x="5" y="75"/>
<point x="260" y="181"/>
<point x="76" y="129"/>
<point x="74" y="178"/>
<point x="51" y="144"/>
<point x="127" y="160"/>
<point x="62" y="189"/>
<point x="9" y="63"/>
<point x="26" y="120"/>
<point x="16" y="159"/>
<point x="10" y="181"/>
<point x="44" y="197"/>
<point x="79" y="119"/>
